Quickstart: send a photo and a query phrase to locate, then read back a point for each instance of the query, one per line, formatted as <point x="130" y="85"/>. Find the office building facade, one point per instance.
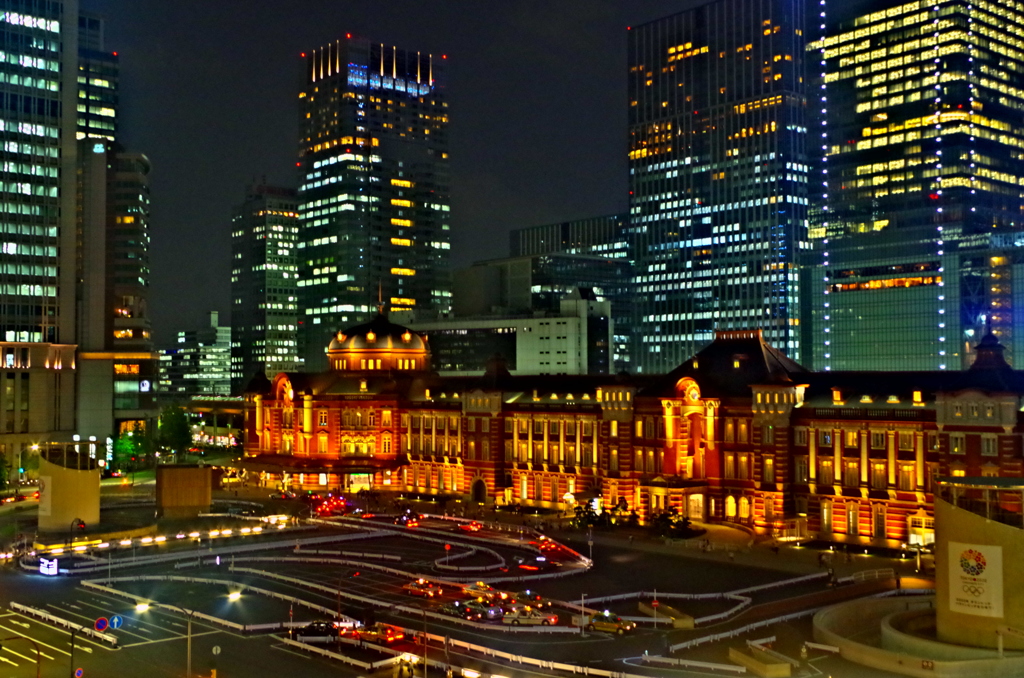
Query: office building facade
<point x="198" y="364"/>
<point x="264" y="284"/>
<point x="374" y="205"/>
<point x="718" y="176"/>
<point x="577" y="338"/>
<point x="99" y="73"/>
<point x="604" y="236"/>
<point x="918" y="224"/>
<point x="38" y="93"/>
<point x="539" y="283"/>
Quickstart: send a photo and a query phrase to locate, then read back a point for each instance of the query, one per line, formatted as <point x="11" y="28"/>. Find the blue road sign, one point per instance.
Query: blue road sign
<point x="79" y="673"/>
<point x="116" y="621"/>
<point x="101" y="624"/>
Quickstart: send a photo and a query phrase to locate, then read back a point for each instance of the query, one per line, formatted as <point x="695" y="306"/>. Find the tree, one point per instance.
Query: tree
<point x="175" y="432"/>
<point x="125" y="447"/>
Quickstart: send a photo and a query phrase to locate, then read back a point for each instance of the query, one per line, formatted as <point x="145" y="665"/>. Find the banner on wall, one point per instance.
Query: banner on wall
<point x="976" y="579"/>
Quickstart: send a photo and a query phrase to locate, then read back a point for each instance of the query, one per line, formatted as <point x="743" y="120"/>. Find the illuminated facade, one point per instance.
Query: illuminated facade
<point x="919" y="217"/>
<point x="117" y="365"/>
<point x="718" y="176"/>
<point x="604" y="236"/>
<point x="198" y="364"/>
<point x="99" y="72"/>
<point x="374" y="210"/>
<point x="264" y="284"/>
<point x="738" y="433"/>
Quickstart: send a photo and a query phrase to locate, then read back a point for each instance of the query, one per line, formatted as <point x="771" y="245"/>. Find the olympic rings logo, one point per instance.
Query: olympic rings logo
<point x="974" y="590"/>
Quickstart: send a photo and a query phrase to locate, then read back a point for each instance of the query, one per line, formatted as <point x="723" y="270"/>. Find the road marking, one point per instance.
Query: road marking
<point x="57" y="649"/>
<point x="28" y="659"/>
<point x="21" y="624"/>
<point x="164" y="640"/>
<point x="79" y="638"/>
<point x="82" y="647"/>
<point x="5" y="659"/>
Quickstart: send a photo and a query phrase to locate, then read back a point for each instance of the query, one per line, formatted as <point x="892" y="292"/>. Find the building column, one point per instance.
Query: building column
<point x="865" y="440"/>
<point x="919" y="459"/>
<point x="891" y="465"/>
<point x="812" y="454"/>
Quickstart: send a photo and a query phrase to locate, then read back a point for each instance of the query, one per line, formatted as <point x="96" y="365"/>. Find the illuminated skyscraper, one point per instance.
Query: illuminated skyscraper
<point x="918" y="224"/>
<point x="718" y="176"/>
<point x="373" y="198"/>
<point x="98" y="78"/>
<point x="264" y="285"/>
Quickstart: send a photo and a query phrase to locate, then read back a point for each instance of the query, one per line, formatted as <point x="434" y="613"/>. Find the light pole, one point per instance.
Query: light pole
<point x="583" y="613"/>
<point x="39" y="661"/>
<point x="143" y="607"/>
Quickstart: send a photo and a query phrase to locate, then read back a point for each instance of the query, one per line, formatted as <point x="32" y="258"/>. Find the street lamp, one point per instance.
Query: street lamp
<point x="143" y="607"/>
<point x="39" y="661"/>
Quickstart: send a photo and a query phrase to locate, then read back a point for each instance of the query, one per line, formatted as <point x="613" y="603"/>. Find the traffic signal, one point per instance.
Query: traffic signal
<point x="80" y="525"/>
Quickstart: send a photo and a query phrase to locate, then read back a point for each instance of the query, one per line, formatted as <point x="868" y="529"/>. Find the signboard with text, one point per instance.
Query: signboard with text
<point x="976" y="579"/>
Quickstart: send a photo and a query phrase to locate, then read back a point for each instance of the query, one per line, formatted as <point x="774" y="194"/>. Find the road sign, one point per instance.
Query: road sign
<point x="654" y="603"/>
<point x="116" y="621"/>
<point x="79" y="673"/>
<point x="101" y="624"/>
<point x="447" y="547"/>
<point x="216" y="650"/>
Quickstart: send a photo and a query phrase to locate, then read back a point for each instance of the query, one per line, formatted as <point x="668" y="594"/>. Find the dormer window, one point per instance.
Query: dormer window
<point x="918" y="398"/>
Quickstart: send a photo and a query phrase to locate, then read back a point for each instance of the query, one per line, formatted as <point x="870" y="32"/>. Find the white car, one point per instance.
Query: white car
<point x="525" y="615"/>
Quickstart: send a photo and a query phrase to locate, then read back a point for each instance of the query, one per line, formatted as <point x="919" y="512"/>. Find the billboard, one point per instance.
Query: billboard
<point x="975" y="579"/>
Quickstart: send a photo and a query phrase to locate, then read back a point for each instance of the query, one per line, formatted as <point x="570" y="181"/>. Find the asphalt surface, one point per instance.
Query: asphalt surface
<point x="153" y="643"/>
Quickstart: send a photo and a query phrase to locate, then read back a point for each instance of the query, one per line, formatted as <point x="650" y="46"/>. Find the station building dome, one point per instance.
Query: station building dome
<point x="379" y="345"/>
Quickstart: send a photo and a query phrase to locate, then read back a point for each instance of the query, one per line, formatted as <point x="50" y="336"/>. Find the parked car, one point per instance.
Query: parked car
<point x="526" y="615"/>
<point x="283" y="495"/>
<point x="422" y="587"/>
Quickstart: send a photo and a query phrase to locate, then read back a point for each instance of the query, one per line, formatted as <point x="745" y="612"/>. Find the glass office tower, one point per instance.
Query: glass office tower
<point x="718" y="176"/>
<point x="918" y="224"/>
<point x="264" y="285"/>
<point x="374" y="212"/>
<point x="37" y="180"/>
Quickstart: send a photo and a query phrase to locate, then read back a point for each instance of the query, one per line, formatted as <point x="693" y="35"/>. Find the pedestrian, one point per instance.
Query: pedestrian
<point x="898" y="581"/>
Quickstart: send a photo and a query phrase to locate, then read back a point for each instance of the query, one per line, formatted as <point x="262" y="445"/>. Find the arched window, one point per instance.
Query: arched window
<point x="730" y="507"/>
<point x="744" y="508"/>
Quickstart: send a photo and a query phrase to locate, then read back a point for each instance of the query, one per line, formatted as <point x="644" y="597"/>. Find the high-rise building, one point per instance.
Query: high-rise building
<point x="98" y="77"/>
<point x="198" y="363"/>
<point x="919" y="220"/>
<point x="604" y="236"/>
<point x="538" y="284"/>
<point x="718" y="176"/>
<point x="374" y="199"/>
<point x="38" y="97"/>
<point x="264" y="284"/>
<point x="116" y="362"/>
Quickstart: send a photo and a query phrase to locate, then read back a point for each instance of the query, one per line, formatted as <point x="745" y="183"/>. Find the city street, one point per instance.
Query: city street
<point x="364" y="579"/>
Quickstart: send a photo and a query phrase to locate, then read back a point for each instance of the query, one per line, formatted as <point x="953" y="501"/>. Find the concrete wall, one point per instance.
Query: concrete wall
<point x="183" y="491"/>
<point x="67" y="494"/>
<point x="954" y="524"/>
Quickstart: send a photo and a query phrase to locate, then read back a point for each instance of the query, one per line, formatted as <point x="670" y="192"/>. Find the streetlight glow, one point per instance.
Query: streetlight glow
<point x="141" y="607"/>
<point x="234" y="595"/>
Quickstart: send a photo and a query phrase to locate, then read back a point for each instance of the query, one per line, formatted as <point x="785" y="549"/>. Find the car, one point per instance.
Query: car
<point x="606" y="621"/>
<point x="310" y="498"/>
<point x="472" y="526"/>
<point x="481" y="590"/>
<point x="422" y="587"/>
<point x="457" y="609"/>
<point x="531" y="598"/>
<point x="525" y="615"/>
<point x="319" y="628"/>
<point x="484" y="610"/>
<point x="283" y="495"/>
<point x="381" y="634"/>
<point x="408" y="520"/>
<point x="537" y="564"/>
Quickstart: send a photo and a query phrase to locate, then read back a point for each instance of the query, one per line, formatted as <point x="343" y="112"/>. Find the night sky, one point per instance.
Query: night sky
<point x="208" y="91"/>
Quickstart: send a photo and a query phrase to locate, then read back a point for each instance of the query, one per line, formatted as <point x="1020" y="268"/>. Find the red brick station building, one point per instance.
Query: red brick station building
<point x="737" y="434"/>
